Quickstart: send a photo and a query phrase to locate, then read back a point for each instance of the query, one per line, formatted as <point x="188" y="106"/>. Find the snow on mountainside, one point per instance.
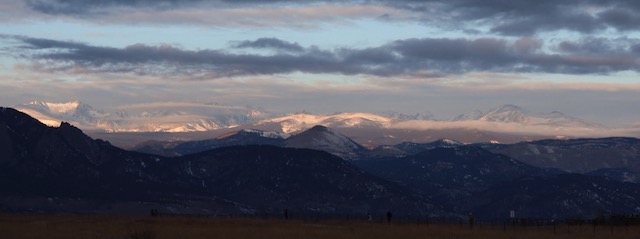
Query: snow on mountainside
<point x="554" y="122"/>
<point x="75" y="112"/>
<point x="303" y="121"/>
<point x="515" y="114"/>
<point x="166" y="117"/>
<point x="508" y="123"/>
<point x="476" y="114"/>
<point x="507" y="114"/>
<point x="318" y="137"/>
<point x="263" y="134"/>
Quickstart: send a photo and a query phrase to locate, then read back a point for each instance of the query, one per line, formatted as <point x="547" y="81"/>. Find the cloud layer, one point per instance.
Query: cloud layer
<point x="409" y="57"/>
<point x="515" y="17"/>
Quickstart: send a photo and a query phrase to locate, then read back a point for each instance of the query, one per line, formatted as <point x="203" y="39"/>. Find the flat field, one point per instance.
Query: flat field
<point x="125" y="227"/>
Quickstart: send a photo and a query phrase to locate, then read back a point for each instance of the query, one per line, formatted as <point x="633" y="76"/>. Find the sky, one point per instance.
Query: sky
<point x="445" y="57"/>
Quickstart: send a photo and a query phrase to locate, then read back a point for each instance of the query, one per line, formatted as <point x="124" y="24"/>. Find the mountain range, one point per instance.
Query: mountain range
<point x="505" y="124"/>
<point x="252" y="172"/>
<point x="59" y="169"/>
<point x="515" y="114"/>
<point x="169" y="117"/>
<point x="575" y="155"/>
<point x="452" y="173"/>
<point x="318" y="137"/>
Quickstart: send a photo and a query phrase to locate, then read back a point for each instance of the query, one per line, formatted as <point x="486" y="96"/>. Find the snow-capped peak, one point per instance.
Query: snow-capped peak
<point x="298" y="122"/>
<point x="75" y="112"/>
<point x="64" y="107"/>
<point x="508" y="108"/>
<point x="506" y="114"/>
<point x="152" y="117"/>
<point x="515" y="114"/>
<point x="59" y="108"/>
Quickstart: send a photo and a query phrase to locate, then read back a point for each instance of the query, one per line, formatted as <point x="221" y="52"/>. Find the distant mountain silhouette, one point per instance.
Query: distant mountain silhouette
<point x="448" y="175"/>
<point x="575" y="155"/>
<point x="318" y="137"/>
<point x="409" y="148"/>
<point x="242" y="137"/>
<point x="470" y="179"/>
<point x="323" y="138"/>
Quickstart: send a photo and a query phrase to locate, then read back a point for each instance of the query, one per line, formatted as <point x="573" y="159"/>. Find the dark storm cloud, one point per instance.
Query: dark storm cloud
<point x="513" y="17"/>
<point x="270" y="43"/>
<point x="398" y="58"/>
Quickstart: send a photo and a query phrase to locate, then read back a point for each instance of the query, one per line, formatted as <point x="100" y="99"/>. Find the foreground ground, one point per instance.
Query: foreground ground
<point x="121" y="227"/>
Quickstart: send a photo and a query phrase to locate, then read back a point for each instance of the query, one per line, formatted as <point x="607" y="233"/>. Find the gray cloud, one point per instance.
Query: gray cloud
<point x="622" y="18"/>
<point x="167" y="59"/>
<point x="599" y="46"/>
<point x="514" y="17"/>
<point x="398" y="58"/>
<point x="525" y="17"/>
<point x="270" y="43"/>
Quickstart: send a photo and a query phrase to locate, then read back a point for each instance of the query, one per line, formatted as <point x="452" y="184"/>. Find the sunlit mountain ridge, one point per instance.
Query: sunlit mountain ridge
<point x="506" y="123"/>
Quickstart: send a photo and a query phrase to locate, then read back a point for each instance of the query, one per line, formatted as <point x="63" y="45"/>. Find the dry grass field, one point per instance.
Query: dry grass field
<point x="122" y="227"/>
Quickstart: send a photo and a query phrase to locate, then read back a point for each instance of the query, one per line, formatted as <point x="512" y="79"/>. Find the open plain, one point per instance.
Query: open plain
<point x="139" y="227"/>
